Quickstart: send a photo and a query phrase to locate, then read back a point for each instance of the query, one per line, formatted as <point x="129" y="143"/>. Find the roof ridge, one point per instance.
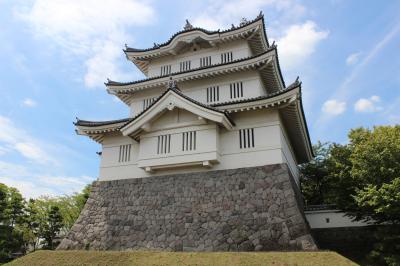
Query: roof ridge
<point x="209" y="32"/>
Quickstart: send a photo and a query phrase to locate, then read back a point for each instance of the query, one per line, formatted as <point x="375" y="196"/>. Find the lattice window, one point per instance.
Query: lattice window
<point x="236" y="90"/>
<point x="226" y="57"/>
<point x="189" y="141"/>
<point x="147" y="102"/>
<point x="213" y="94"/>
<point x="165" y="70"/>
<point x="246" y="138"/>
<point x="164" y="144"/>
<point x="185" y="65"/>
<point x="205" y="61"/>
<point x="124" y="153"/>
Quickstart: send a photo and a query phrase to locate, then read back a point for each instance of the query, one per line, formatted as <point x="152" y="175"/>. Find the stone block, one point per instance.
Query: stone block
<point x="243" y="209"/>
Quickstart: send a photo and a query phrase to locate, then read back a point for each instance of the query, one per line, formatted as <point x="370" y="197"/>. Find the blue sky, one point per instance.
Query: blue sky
<point x="55" y="56"/>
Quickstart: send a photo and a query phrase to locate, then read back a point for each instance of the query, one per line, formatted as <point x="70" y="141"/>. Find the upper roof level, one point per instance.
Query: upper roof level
<point x="249" y="38"/>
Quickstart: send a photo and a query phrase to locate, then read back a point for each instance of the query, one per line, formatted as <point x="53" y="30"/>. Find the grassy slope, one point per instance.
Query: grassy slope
<point x="180" y="258"/>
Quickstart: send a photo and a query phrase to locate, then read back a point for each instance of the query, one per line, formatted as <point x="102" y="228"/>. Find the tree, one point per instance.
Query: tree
<point x="362" y="178"/>
<point x="341" y="184"/>
<point x="23" y="224"/>
<point x="71" y="206"/>
<point x="376" y="154"/>
<point x="315" y="184"/>
<point x="10" y="239"/>
<point x="82" y="197"/>
<point x="52" y="227"/>
<point x="372" y="157"/>
<point x="382" y="206"/>
<point x="3" y="202"/>
<point x="326" y="179"/>
<point x="30" y="226"/>
<point x="15" y="206"/>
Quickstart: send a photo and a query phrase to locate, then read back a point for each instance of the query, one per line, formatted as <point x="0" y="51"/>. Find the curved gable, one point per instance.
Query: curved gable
<point x="170" y="100"/>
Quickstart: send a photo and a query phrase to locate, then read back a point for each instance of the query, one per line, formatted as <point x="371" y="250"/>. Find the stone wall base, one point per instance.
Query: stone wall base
<point x="246" y="209"/>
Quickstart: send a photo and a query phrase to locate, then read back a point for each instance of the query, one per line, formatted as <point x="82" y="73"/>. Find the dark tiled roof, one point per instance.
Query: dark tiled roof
<point x="115" y="83"/>
<point x="279" y="67"/>
<point x="86" y="123"/>
<point x="177" y="91"/>
<point x="208" y="32"/>
<point x="305" y="123"/>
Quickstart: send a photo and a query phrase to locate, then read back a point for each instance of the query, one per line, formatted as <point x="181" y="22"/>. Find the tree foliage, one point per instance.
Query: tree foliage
<point x="315" y="185"/>
<point x="363" y="179"/>
<point x="51" y="226"/>
<point x="27" y="225"/>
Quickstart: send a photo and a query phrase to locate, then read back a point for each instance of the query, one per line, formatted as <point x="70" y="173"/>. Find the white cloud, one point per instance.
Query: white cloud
<point x="19" y="140"/>
<point x="334" y="107"/>
<point x="28" y="102"/>
<point x="221" y="14"/>
<point x="353" y="58"/>
<point x="93" y="29"/>
<point x="37" y="185"/>
<point x="12" y="170"/>
<point x="102" y="64"/>
<point x="28" y="189"/>
<point x="33" y="184"/>
<point x="299" y="42"/>
<point x="32" y="151"/>
<point x="63" y="180"/>
<point x="392" y="112"/>
<point x="344" y="91"/>
<point x="3" y="150"/>
<point x="364" y="105"/>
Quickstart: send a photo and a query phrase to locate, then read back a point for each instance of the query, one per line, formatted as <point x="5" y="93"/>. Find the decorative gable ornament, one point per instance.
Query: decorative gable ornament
<point x="188" y="26"/>
<point x="171" y="83"/>
<point x="243" y="22"/>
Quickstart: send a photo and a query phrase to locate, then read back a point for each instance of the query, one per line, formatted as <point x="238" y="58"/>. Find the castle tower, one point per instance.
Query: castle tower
<point x="208" y="158"/>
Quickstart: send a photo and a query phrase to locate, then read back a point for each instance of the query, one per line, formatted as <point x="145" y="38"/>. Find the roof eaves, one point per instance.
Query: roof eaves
<point x="115" y="83"/>
<point x="264" y="97"/>
<point x="87" y="123"/>
<point x="208" y="32"/>
<point x="306" y="126"/>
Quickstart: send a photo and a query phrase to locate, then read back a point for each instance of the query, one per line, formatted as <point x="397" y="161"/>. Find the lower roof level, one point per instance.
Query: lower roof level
<point x="287" y="101"/>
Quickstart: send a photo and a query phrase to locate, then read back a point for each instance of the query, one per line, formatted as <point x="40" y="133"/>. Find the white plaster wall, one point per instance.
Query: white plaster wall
<point x="288" y="155"/>
<point x="197" y="89"/>
<point x="206" y="146"/>
<point x="240" y="49"/>
<point x="330" y="219"/>
<point x="110" y="151"/>
<point x="213" y="143"/>
<point x="136" y="105"/>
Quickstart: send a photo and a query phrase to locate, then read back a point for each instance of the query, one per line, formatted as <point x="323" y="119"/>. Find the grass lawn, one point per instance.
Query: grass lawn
<point x="180" y="258"/>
